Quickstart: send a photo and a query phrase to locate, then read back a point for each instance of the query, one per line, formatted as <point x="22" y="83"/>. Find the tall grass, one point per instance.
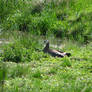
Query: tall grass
<point x="62" y="18"/>
<point x="3" y="75"/>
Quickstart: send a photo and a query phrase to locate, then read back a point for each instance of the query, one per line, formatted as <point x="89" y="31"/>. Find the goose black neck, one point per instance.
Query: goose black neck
<point x="46" y="47"/>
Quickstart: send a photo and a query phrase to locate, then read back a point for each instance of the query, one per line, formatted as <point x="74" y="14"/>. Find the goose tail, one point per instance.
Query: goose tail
<point x="68" y="54"/>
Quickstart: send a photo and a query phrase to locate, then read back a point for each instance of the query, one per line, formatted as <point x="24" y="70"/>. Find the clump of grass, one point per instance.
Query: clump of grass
<point x="37" y="74"/>
<point x="19" y="70"/>
<point x="16" y="53"/>
<point x="3" y="75"/>
<point x="53" y="70"/>
<point x="66" y="62"/>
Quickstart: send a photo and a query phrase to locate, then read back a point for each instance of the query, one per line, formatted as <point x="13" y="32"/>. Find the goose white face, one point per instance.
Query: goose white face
<point x="46" y="41"/>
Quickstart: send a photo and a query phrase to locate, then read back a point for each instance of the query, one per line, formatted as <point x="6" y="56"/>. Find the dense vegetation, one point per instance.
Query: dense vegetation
<point x="24" y="24"/>
<point x="72" y="18"/>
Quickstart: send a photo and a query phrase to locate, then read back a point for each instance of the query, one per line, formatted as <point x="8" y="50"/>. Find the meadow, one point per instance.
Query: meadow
<point x="24" y="25"/>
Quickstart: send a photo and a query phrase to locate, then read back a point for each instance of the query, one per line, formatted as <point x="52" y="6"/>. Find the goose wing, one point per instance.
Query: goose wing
<point x="58" y="53"/>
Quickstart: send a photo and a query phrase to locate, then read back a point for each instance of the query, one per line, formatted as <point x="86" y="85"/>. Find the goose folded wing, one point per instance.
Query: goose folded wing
<point x="56" y="53"/>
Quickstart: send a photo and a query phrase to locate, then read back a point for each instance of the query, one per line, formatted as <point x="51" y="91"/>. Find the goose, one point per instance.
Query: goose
<point x="54" y="53"/>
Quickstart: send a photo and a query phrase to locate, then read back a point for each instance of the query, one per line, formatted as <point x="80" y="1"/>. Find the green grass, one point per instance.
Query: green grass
<point x="49" y="76"/>
<point x="44" y="73"/>
<point x="23" y="64"/>
<point x="71" y="19"/>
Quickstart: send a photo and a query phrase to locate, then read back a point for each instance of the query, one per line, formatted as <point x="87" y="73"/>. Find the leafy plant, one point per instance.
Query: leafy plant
<point x="16" y="53"/>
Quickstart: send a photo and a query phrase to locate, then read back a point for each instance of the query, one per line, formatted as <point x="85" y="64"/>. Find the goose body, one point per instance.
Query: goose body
<point x="54" y="53"/>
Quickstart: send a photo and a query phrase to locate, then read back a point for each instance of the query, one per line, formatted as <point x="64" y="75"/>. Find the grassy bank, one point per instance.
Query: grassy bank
<point x="24" y="25"/>
<point x="27" y="69"/>
<point x="71" y="19"/>
<point x="39" y="72"/>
